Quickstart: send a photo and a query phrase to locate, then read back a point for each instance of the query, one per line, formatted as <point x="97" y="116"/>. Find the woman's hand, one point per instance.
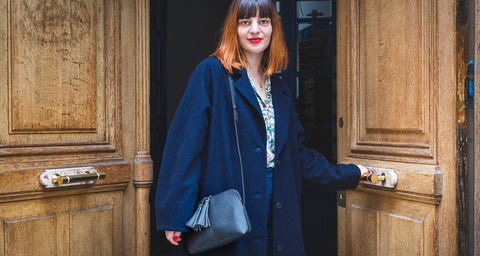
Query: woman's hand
<point x="363" y="170"/>
<point x="173" y="237"/>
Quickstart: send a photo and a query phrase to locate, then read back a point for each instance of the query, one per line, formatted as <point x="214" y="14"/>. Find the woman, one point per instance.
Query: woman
<point x="200" y="157"/>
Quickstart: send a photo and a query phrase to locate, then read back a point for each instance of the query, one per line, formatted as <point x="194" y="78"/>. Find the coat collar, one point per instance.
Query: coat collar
<point x="243" y="86"/>
<point x="281" y="104"/>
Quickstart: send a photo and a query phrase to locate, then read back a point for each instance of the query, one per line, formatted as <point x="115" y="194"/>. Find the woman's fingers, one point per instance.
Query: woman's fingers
<point x="177" y="236"/>
<point x="173" y="237"/>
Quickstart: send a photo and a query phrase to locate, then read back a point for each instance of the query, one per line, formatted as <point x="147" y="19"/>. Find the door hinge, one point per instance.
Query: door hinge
<point x="469" y="82"/>
<point x="342" y="198"/>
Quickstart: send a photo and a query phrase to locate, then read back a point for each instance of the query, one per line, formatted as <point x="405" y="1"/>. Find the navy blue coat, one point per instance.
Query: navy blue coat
<point x="200" y="159"/>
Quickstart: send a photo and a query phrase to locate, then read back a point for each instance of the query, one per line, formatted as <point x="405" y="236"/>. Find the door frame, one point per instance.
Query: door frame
<point x="142" y="162"/>
<point x="476" y="176"/>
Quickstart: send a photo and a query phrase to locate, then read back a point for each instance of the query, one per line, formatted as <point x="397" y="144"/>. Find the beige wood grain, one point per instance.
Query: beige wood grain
<point x="391" y="61"/>
<point x="92" y="227"/>
<point x="19" y="240"/>
<point x="143" y="165"/>
<point x="83" y="223"/>
<point x="446" y="126"/>
<point x="391" y="222"/>
<point x="56" y="73"/>
<point x="22" y="181"/>
<point x="2" y="237"/>
<point x="75" y="93"/>
<point x="396" y="92"/>
<point x="476" y="228"/>
<point x="344" y="67"/>
<point x="143" y="220"/>
<point x="341" y="231"/>
<point x="405" y="235"/>
<point x="392" y="86"/>
<point x="63" y="234"/>
<point x="420" y="181"/>
<point x="54" y="46"/>
<point x="364" y="225"/>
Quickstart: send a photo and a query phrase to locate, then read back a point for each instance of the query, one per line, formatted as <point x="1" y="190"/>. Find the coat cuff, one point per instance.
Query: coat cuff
<point x="352" y="176"/>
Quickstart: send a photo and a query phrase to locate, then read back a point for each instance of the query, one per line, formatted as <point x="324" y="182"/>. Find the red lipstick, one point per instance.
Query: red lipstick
<point x="255" y="40"/>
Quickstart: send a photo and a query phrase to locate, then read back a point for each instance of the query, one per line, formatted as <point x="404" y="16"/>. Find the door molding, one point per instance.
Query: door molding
<point x="476" y="202"/>
<point x="396" y="90"/>
<point x="143" y="165"/>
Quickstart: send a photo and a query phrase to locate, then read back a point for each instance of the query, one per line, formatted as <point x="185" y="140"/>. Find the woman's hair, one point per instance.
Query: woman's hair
<point x="229" y="52"/>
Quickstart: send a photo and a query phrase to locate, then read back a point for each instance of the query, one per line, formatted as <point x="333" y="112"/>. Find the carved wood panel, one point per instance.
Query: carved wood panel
<point x="64" y="66"/>
<point x="60" y="90"/>
<point x="378" y="225"/>
<point x="365" y="225"/>
<point x="397" y="64"/>
<point x="93" y="227"/>
<point x="75" y="225"/>
<point x="60" y="80"/>
<point x="19" y="239"/>
<point x="53" y="65"/>
<point x="392" y="80"/>
<point x="405" y="235"/>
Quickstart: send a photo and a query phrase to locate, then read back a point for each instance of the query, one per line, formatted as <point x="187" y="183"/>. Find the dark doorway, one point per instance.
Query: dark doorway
<point x="310" y="31"/>
<point x="184" y="32"/>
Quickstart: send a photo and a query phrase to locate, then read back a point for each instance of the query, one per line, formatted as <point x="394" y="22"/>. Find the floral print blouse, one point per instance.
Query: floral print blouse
<point x="269" y="117"/>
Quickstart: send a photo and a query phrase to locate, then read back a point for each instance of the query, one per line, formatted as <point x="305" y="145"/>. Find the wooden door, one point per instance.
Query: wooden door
<point x="475" y="227"/>
<point x="397" y="109"/>
<point x="74" y="93"/>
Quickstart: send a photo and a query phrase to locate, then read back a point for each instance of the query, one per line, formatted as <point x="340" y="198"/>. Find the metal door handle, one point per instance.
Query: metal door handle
<point x="77" y="176"/>
<point x="380" y="177"/>
<point x="374" y="178"/>
<point x="67" y="179"/>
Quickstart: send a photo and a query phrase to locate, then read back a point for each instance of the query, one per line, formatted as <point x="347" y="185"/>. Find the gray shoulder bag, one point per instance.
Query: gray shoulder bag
<point x="222" y="218"/>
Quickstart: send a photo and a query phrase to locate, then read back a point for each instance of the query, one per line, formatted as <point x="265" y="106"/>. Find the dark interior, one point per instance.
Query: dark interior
<point x="183" y="32"/>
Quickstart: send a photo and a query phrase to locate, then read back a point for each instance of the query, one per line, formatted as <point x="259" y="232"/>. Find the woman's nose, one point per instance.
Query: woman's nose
<point x="254" y="28"/>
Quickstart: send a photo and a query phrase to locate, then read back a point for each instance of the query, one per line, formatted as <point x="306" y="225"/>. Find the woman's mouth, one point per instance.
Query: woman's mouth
<point x="255" y="40"/>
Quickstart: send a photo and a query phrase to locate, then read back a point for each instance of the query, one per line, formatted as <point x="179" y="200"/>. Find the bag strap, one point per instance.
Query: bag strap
<point x="235" y="123"/>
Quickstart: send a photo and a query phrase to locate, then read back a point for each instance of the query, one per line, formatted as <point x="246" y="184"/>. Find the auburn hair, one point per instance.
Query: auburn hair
<point x="229" y="52"/>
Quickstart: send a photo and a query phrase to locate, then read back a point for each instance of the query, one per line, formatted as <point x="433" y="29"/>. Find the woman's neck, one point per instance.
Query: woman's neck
<point x="255" y="63"/>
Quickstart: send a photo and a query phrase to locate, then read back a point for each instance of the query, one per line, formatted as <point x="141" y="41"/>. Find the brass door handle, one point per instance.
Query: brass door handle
<point x="374" y="178"/>
<point x="67" y="179"/>
<point x="381" y="177"/>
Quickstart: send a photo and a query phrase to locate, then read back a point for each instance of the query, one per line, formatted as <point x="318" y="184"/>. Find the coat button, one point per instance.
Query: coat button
<point x="277" y="163"/>
<point x="258" y="195"/>
<point x="278" y="205"/>
<point x="279" y="248"/>
<point x="258" y="149"/>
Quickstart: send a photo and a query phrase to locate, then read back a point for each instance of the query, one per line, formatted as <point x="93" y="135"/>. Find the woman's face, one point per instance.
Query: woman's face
<point x="254" y="34"/>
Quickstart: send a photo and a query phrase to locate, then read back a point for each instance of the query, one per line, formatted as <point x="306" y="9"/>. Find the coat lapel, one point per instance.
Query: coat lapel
<point x="281" y="105"/>
<point x="243" y="86"/>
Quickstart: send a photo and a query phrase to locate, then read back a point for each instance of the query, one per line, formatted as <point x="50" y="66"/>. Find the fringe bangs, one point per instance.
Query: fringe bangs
<point x="248" y="9"/>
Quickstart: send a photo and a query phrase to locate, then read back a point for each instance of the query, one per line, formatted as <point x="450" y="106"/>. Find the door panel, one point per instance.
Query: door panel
<point x="17" y="230"/>
<point x="61" y="87"/>
<point x="391" y="56"/>
<point x="475" y="191"/>
<point x="93" y="227"/>
<point x="60" y="81"/>
<point x="72" y="225"/>
<point x="382" y="225"/>
<point x="65" y="48"/>
<point x="396" y="87"/>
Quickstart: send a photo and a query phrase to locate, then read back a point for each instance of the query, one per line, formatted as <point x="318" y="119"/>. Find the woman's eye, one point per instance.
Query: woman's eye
<point x="264" y="21"/>
<point x="244" y="22"/>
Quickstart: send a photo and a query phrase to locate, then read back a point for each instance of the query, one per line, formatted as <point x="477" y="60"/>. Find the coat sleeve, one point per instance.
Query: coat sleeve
<point x="319" y="171"/>
<point x="177" y="187"/>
